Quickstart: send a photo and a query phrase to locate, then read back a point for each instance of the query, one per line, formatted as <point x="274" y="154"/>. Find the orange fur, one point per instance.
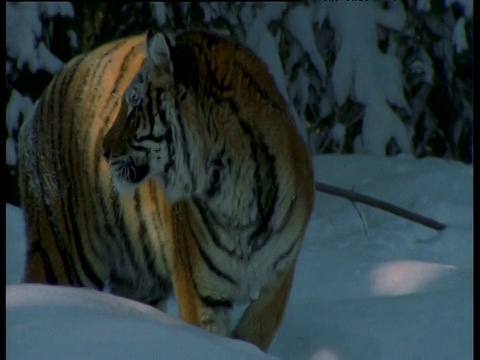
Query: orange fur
<point x="82" y="231"/>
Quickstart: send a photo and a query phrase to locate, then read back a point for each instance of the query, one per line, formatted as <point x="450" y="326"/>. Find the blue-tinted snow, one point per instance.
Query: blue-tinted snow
<point x="368" y="284"/>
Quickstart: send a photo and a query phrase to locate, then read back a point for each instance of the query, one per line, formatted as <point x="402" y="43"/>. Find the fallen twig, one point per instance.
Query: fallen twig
<point x="356" y="197"/>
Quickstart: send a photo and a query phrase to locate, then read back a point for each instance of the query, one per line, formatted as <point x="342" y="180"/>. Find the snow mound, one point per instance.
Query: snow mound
<point x="368" y="284"/>
<point x="78" y="323"/>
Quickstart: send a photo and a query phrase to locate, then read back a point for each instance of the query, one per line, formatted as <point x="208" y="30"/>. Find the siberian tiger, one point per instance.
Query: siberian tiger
<point x="169" y="163"/>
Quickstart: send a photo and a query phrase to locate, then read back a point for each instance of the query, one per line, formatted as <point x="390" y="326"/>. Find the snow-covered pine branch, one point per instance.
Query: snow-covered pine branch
<point x="28" y="41"/>
<point x="360" y="76"/>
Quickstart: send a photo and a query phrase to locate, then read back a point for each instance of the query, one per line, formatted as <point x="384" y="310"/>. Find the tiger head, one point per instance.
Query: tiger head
<point x="147" y="139"/>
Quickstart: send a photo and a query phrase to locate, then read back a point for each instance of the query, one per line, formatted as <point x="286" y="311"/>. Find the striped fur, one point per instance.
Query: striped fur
<point x="207" y="189"/>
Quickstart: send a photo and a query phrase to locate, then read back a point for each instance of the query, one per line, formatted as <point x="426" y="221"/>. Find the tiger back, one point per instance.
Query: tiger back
<point x="207" y="189"/>
<point x="79" y="228"/>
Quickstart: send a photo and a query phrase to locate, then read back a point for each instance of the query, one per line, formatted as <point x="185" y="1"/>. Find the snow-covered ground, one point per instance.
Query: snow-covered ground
<point x="368" y="285"/>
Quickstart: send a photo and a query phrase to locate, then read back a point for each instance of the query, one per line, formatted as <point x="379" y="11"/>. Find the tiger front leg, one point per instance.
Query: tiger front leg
<point x="196" y="311"/>
<point x="192" y="308"/>
<point x="261" y="319"/>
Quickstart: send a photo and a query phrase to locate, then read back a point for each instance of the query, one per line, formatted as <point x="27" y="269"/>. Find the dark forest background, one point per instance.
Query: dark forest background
<point x="433" y="47"/>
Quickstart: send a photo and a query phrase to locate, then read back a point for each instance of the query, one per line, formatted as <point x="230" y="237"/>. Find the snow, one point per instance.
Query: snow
<point x="15" y="245"/>
<point x="24" y="29"/>
<point x="92" y="325"/>
<point x="72" y="35"/>
<point x="297" y="89"/>
<point x="10" y="151"/>
<point x="159" y="13"/>
<point x="213" y="11"/>
<point x="18" y="106"/>
<point x="368" y="284"/>
<point x="56" y="8"/>
<point x="265" y="45"/>
<point x="338" y="135"/>
<point x="51" y="63"/>
<point x="299" y="23"/>
<point x="370" y="77"/>
<point x="467" y="6"/>
<point x="426" y="67"/>
<point x="361" y="72"/>
<point x="459" y="38"/>
<point x="424" y="5"/>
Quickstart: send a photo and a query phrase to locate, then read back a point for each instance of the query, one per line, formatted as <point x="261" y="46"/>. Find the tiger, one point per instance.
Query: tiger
<point x="169" y="164"/>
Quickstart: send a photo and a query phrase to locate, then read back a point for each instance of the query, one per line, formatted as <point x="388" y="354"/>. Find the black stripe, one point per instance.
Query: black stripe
<point x="57" y="235"/>
<point x="76" y="181"/>
<point x="265" y="174"/>
<point x="160" y="108"/>
<point x="204" y="298"/>
<point x="125" y="62"/>
<point x="213" y="302"/>
<point x="285" y="254"/>
<point x="217" y="166"/>
<point x="119" y="226"/>
<point x="84" y="262"/>
<point x="182" y="141"/>
<point x="211" y="231"/>
<point x="215" y="82"/>
<point x="140" y="147"/>
<point x="142" y="238"/>
<point x="76" y="174"/>
<point x="99" y="69"/>
<point x="59" y="158"/>
<point x="149" y="106"/>
<point x="77" y="177"/>
<point x="98" y="141"/>
<point x="176" y="210"/>
<point x="156" y="300"/>
<point x="211" y="266"/>
<point x="185" y="64"/>
<point x="166" y="169"/>
<point x="156" y="222"/>
<point x="81" y="205"/>
<point x="126" y="252"/>
<point x="200" y="51"/>
<point x="117" y="281"/>
<point x="75" y="233"/>
<point x="253" y="83"/>
<point x="45" y="116"/>
<point x="112" y="102"/>
<point x="47" y="264"/>
<point x="266" y="188"/>
<point x="149" y="137"/>
<point x="168" y="137"/>
<point x="287" y="216"/>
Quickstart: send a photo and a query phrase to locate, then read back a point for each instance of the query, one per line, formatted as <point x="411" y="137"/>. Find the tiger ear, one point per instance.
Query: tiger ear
<point x="158" y="53"/>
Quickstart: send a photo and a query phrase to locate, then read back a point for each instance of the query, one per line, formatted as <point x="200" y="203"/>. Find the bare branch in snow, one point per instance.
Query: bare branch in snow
<point x="379" y="204"/>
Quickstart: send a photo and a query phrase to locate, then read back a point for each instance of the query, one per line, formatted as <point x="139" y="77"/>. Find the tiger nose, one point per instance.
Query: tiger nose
<point x="106" y="154"/>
